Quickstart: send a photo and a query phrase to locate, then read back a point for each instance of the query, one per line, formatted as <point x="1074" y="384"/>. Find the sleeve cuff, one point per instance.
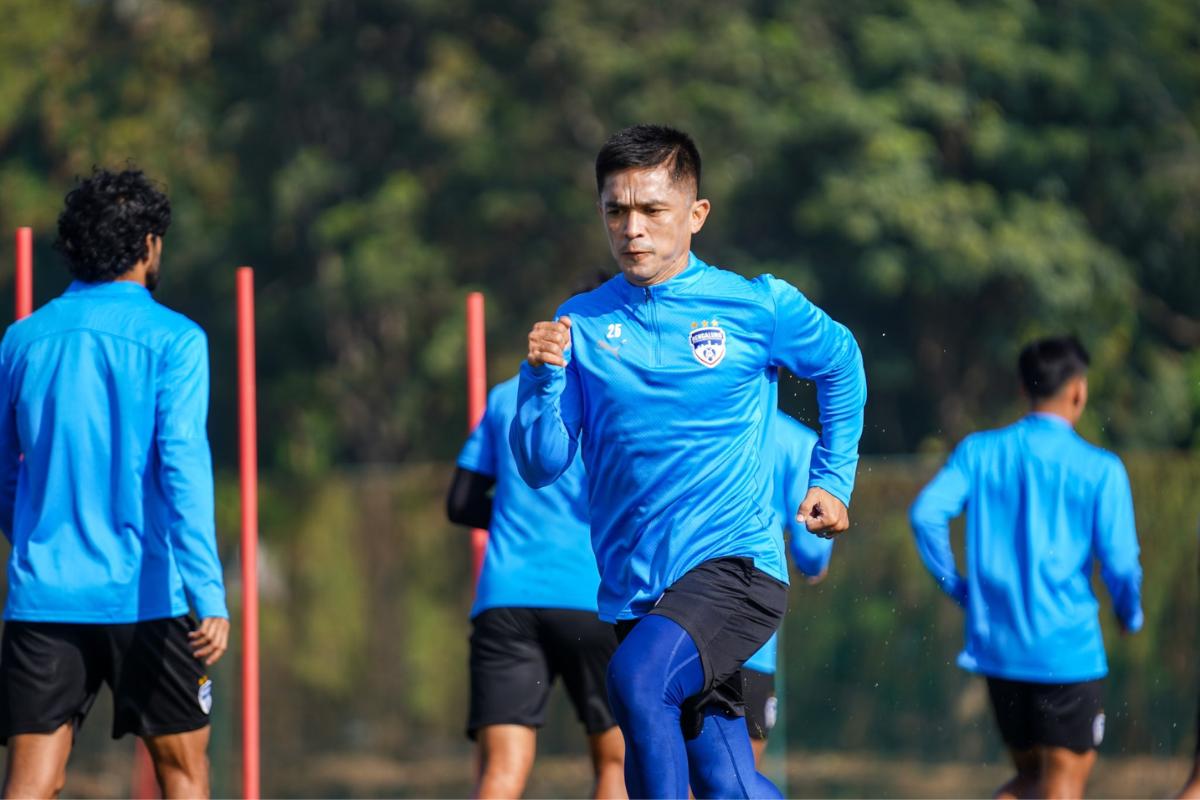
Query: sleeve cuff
<point x="211" y="607"/>
<point x="1136" y="621"/>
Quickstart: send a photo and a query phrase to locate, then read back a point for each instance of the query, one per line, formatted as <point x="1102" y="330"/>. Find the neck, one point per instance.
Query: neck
<point x="135" y="274"/>
<point x="678" y="266"/>
<point x="1057" y="410"/>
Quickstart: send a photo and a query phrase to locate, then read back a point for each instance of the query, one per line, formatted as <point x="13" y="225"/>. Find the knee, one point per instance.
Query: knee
<point x="47" y="784"/>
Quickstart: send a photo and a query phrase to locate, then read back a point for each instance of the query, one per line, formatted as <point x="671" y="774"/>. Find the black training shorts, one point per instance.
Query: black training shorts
<point x="730" y="608"/>
<point x="516" y="653"/>
<point x="758" y="693"/>
<point x="1069" y="715"/>
<point x="51" y="672"/>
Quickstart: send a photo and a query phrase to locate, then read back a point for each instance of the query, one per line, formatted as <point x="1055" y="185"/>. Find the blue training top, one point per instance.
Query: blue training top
<point x="539" y="552"/>
<point x="674" y="387"/>
<point x="794" y="442"/>
<point x="1041" y="503"/>
<point x="110" y="512"/>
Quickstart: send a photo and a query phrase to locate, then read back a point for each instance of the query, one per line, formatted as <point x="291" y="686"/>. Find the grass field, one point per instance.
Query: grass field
<point x="809" y="775"/>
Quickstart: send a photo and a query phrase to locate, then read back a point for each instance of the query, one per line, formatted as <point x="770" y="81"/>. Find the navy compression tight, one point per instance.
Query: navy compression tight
<point x="650" y="676"/>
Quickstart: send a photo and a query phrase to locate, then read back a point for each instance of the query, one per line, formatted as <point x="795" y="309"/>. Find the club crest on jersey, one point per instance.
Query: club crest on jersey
<point x="204" y="695"/>
<point x="708" y="342"/>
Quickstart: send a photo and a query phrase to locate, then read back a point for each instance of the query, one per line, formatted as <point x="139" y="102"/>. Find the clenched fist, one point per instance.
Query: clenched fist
<point x="547" y="341"/>
<point x="823" y="514"/>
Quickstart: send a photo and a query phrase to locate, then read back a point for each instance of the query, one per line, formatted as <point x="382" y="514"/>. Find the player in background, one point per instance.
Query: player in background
<point x="1041" y="504"/>
<point x="110" y="509"/>
<point x="793" y="443"/>
<point x="534" y="617"/>
<point x="665" y="379"/>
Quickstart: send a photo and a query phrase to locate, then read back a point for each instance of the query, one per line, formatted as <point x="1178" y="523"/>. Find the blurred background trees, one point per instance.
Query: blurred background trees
<point x="948" y="178"/>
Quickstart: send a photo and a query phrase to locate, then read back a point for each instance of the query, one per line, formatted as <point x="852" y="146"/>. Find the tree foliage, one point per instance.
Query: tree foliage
<point x="948" y="178"/>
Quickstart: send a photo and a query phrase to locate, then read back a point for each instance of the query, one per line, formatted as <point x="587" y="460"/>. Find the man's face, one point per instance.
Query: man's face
<point x="650" y="221"/>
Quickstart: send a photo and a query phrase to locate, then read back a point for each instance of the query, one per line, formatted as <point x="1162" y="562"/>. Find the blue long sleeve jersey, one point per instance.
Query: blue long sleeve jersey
<point x="539" y="552"/>
<point x="675" y="386"/>
<point x="110" y="512"/>
<point x="793" y="444"/>
<point x="1041" y="504"/>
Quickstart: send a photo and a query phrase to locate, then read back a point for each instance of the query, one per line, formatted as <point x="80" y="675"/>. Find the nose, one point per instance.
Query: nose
<point x="635" y="225"/>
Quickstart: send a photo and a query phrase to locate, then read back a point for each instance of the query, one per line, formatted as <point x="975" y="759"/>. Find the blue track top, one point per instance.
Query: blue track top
<point x="1041" y="504"/>
<point x="539" y="552"/>
<point x="671" y="389"/>
<point x="110" y="512"/>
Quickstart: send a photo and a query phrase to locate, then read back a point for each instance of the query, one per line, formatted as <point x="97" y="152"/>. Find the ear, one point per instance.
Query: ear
<point x="700" y="210"/>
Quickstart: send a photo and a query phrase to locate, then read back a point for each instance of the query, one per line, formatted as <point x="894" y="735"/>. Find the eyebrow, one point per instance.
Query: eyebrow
<point x="617" y="205"/>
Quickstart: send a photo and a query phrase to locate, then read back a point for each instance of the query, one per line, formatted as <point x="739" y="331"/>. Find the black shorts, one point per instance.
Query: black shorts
<point x="1069" y="715"/>
<point x="730" y="608"/>
<point x="516" y="653"/>
<point x="51" y="672"/>
<point x="762" y="709"/>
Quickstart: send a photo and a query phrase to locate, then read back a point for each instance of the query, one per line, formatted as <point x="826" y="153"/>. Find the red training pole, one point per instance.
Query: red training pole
<point x="476" y="401"/>
<point x="248" y="460"/>
<point x="24" y="275"/>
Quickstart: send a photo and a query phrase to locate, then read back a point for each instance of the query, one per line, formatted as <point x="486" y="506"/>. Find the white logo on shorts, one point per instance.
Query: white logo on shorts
<point x="1098" y="729"/>
<point x="771" y="712"/>
<point x="204" y="695"/>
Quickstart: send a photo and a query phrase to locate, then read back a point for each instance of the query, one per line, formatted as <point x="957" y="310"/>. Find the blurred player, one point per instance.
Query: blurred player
<point x="110" y="511"/>
<point x="1041" y="504"/>
<point x="534" y="617"/>
<point x="665" y="378"/>
<point x="793" y="443"/>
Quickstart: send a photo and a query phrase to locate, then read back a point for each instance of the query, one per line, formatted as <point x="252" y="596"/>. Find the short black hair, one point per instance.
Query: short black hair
<point x="648" y="146"/>
<point x="102" y="230"/>
<point x="1047" y="364"/>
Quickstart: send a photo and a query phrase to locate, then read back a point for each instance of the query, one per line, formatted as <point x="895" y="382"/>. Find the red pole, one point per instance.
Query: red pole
<point x="476" y="400"/>
<point x="24" y="276"/>
<point x="145" y="783"/>
<point x="248" y="452"/>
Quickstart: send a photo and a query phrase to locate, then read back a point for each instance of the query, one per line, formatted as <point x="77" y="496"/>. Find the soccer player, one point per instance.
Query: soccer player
<point x="106" y="494"/>
<point x="793" y="443"/>
<point x="665" y="379"/>
<point x="534" y="617"/>
<point x="1041" y="504"/>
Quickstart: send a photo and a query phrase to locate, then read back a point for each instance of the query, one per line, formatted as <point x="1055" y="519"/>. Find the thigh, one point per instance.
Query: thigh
<point x="730" y="609"/>
<point x="579" y="646"/>
<point x="510" y="676"/>
<point x="1069" y="716"/>
<point x="159" y="688"/>
<point x="1012" y="705"/>
<point x="758" y="694"/>
<point x="50" y="674"/>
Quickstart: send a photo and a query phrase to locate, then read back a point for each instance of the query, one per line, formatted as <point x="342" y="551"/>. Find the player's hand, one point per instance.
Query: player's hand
<point x="823" y="514"/>
<point x="210" y="640"/>
<point x="547" y="341"/>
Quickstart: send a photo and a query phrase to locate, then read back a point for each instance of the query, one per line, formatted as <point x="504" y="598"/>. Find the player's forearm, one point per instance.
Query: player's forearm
<point x="842" y="396"/>
<point x="467" y="502"/>
<point x="1125" y="588"/>
<point x="541" y="442"/>
<point x="931" y="530"/>
<point x="188" y="488"/>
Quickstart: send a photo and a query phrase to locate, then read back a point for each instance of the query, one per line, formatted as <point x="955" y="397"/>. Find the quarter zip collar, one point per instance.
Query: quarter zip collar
<point x="1050" y="420"/>
<point x="692" y="273"/>
<point x="108" y="288"/>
